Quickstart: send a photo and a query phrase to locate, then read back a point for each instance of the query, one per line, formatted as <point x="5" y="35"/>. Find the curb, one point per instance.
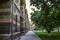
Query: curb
<point x="37" y="36"/>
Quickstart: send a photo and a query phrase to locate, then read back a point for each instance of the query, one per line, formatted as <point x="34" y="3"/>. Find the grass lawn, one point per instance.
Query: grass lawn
<point x="44" y="35"/>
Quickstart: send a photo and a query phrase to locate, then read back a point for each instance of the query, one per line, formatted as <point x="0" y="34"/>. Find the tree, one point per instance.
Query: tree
<point x="49" y="16"/>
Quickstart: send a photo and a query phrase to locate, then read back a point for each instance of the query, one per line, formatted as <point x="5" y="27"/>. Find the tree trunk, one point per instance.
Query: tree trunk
<point x="58" y="29"/>
<point x="49" y="33"/>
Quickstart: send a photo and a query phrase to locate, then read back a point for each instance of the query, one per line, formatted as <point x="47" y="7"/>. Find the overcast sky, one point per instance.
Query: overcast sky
<point x="28" y="8"/>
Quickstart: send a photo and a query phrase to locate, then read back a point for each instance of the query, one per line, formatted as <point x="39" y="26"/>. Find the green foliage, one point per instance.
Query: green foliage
<point x="49" y="16"/>
<point x="44" y="35"/>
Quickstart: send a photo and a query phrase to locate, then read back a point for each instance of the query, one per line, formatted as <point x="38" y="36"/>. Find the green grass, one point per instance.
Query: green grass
<point x="44" y="35"/>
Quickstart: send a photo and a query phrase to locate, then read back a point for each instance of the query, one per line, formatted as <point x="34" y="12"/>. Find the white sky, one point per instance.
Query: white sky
<point x="28" y="7"/>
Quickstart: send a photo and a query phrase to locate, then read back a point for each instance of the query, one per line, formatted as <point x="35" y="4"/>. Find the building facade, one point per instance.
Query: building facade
<point x="13" y="19"/>
<point x="9" y="19"/>
<point x="27" y="25"/>
<point x="24" y="17"/>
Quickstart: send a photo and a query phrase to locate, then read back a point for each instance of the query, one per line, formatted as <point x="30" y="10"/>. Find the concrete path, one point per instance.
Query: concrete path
<point x="30" y="36"/>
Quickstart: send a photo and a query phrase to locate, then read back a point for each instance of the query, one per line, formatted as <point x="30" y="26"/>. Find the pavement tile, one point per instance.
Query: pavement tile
<point x="30" y="35"/>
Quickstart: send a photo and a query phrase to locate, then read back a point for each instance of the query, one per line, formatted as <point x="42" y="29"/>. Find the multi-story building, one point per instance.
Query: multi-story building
<point x="24" y="17"/>
<point x="13" y="19"/>
<point x="9" y="19"/>
<point x="27" y="25"/>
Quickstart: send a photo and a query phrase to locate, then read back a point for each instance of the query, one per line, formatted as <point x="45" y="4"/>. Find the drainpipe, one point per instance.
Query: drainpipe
<point x="12" y="20"/>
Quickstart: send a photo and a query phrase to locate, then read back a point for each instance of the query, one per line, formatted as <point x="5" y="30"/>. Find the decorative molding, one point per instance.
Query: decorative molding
<point x="5" y="10"/>
<point x="10" y="34"/>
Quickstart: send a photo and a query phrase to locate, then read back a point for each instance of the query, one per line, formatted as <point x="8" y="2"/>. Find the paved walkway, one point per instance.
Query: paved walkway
<point x="30" y="36"/>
